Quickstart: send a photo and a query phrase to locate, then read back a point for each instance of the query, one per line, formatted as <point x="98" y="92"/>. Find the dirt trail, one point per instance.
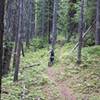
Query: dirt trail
<point x="64" y="91"/>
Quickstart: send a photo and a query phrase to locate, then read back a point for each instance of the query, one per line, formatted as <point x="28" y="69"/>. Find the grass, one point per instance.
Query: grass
<point x="32" y="77"/>
<point x="84" y="80"/>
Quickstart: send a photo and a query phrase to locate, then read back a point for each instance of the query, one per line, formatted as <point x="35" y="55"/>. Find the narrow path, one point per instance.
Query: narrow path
<point x="65" y="92"/>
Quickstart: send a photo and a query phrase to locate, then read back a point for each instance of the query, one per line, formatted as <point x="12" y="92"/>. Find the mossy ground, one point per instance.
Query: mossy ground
<point x="83" y="80"/>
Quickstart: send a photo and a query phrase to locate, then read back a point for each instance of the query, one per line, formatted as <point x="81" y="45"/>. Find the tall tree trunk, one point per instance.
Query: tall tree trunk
<point x="54" y="23"/>
<point x="81" y="32"/>
<point x="18" y="41"/>
<point x="33" y="19"/>
<point x="28" y="34"/>
<point x="97" y="38"/>
<point x="50" y="18"/>
<point x="9" y="35"/>
<point x="15" y="31"/>
<point x="30" y="22"/>
<point x="2" y="4"/>
<point x="43" y="19"/>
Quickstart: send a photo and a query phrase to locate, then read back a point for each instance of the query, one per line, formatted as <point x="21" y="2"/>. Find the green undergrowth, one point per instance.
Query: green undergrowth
<point x="31" y="76"/>
<point x="83" y="79"/>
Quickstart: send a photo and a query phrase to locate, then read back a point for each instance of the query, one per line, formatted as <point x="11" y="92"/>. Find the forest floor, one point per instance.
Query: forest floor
<point x="65" y="80"/>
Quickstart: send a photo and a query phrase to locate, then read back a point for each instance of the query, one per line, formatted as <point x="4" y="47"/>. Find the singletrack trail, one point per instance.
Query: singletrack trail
<point x="65" y="93"/>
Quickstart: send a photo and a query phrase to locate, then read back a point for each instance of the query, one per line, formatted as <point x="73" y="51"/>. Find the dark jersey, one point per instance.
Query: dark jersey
<point x="52" y="54"/>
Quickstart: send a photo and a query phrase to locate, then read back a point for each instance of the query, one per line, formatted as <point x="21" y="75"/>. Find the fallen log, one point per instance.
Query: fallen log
<point x="36" y="64"/>
<point x="88" y="30"/>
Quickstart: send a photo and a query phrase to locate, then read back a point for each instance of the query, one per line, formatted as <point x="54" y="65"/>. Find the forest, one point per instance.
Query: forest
<point x="50" y="49"/>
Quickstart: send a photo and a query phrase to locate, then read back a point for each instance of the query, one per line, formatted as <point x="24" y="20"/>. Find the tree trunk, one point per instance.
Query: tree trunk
<point x="10" y="30"/>
<point x="43" y="19"/>
<point x="50" y="18"/>
<point x="7" y="58"/>
<point x="11" y="27"/>
<point x="30" y="23"/>
<point x="2" y="4"/>
<point x="97" y="38"/>
<point x="81" y="32"/>
<point x="33" y="19"/>
<point x="18" y="41"/>
<point x="54" y="23"/>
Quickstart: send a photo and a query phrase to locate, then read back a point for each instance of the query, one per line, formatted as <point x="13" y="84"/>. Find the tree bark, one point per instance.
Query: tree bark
<point x="54" y="23"/>
<point x="2" y="5"/>
<point x="50" y="19"/>
<point x="11" y="26"/>
<point x="6" y="58"/>
<point x="97" y="38"/>
<point x="43" y="19"/>
<point x="18" y="41"/>
<point x="81" y="32"/>
<point x="30" y="21"/>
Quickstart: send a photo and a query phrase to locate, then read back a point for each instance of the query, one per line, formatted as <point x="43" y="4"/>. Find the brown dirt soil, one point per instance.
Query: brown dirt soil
<point x="63" y="91"/>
